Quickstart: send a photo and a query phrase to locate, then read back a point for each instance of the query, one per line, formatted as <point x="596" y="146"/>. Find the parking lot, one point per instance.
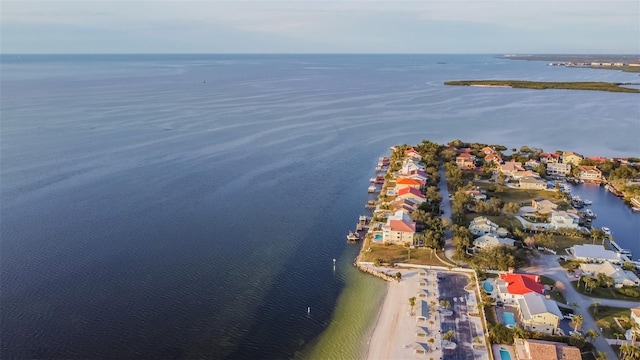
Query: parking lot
<point x="451" y="288"/>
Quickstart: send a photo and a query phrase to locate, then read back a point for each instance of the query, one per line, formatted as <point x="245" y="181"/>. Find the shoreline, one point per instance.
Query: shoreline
<point x="374" y="325"/>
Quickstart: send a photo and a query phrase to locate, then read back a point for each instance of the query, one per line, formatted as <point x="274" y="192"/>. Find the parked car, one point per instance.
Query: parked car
<point x="568" y="316"/>
<point x="572" y="333"/>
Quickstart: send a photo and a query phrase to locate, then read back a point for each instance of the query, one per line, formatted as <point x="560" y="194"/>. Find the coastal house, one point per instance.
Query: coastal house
<point x="512" y="287"/>
<point x="571" y="157"/>
<point x="564" y="220"/>
<point x="419" y="175"/>
<point x="493" y="158"/>
<point x="528" y="349"/>
<point x="620" y="277"/>
<point x="403" y="182"/>
<point x="488" y="240"/>
<point x="532" y="182"/>
<point x="510" y="167"/>
<point x="595" y="253"/>
<point x="408" y="166"/>
<point x="558" y="169"/>
<point x="399" y="229"/>
<point x="589" y="173"/>
<point x="411" y="193"/>
<point x="405" y="205"/>
<point x="598" y="159"/>
<point x="549" y="158"/>
<point x="538" y="313"/>
<point x="481" y="225"/>
<point x="517" y="175"/>
<point x="413" y="154"/>
<point x="543" y="206"/>
<point x="488" y="150"/>
<point x="466" y="161"/>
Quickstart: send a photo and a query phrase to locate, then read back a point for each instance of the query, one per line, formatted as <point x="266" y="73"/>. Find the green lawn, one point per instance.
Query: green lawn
<point x="604" y="318"/>
<point x="562" y="242"/>
<point x="603" y="293"/>
<point x="397" y="253"/>
<point x="521" y="196"/>
<point x="555" y="294"/>
<point x="505" y="221"/>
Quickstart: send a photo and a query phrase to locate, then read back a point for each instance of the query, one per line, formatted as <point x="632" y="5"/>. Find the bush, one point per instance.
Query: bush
<point x="631" y="292"/>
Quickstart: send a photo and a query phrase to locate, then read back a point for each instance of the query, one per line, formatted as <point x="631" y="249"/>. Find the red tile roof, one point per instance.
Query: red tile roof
<point x="522" y="283"/>
<point x="411" y="151"/>
<point x="405" y="226"/>
<point x="410" y="190"/>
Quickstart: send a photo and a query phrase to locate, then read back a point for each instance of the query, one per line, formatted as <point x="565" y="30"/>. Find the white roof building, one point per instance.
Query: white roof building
<point x="588" y="252"/>
<point x="539" y="313"/>
<point x="564" y="220"/>
<point x="488" y="240"/>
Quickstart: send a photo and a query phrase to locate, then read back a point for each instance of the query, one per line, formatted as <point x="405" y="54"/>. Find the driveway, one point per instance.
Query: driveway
<point x="449" y="249"/>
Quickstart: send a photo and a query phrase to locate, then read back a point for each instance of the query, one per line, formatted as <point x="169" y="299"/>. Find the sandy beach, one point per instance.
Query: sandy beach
<point x="401" y="333"/>
<point x="398" y="333"/>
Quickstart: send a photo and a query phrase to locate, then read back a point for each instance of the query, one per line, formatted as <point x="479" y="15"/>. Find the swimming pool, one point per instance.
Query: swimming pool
<point x="509" y="318"/>
<point x="504" y="354"/>
<point x="377" y="237"/>
<point x="487" y="286"/>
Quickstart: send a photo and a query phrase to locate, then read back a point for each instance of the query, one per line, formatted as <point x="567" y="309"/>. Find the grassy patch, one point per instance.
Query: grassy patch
<point x="521" y="196"/>
<point x="561" y="242"/>
<point x="603" y="293"/>
<point x="542" y="85"/>
<point x="397" y="253"/>
<point x="604" y="317"/>
<point x="505" y="221"/>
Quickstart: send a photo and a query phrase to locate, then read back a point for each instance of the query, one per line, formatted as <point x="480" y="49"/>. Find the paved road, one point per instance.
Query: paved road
<point x="449" y="249"/>
<point x="548" y="265"/>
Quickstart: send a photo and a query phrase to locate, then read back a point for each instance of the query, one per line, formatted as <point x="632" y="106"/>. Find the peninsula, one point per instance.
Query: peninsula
<point x="542" y="85"/>
<point x="487" y="252"/>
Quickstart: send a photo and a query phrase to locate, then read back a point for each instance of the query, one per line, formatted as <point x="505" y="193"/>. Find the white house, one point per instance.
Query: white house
<point x="399" y="229"/>
<point x="558" y="169"/>
<point x="481" y="225"/>
<point x="564" y="220"/>
<point x="489" y="240"/>
<point x="532" y="182"/>
<point x="597" y="253"/>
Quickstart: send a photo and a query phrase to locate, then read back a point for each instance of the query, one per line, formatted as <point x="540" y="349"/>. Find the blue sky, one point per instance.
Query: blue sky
<point x="301" y="26"/>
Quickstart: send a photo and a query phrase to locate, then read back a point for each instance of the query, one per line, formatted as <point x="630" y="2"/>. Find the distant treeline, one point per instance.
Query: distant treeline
<point x="541" y="85"/>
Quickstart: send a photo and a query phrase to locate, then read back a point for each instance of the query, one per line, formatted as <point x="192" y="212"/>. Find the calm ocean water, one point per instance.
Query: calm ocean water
<point x="190" y="206"/>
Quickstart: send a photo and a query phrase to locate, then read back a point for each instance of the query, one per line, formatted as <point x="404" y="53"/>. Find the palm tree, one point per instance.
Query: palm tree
<point x="601" y="355"/>
<point x="617" y="335"/>
<point x="591" y="335"/>
<point x="577" y="321"/>
<point x="518" y="332"/>
<point x="448" y="335"/>
<point x="635" y="328"/>
<point x="595" y="307"/>
<point x="412" y="303"/>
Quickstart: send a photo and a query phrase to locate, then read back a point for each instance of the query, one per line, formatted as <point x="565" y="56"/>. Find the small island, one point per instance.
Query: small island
<point x="541" y="85"/>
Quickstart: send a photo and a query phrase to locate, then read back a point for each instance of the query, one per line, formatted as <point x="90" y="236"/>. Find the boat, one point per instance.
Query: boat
<point x="371" y="189"/>
<point x="353" y="236"/>
<point x="606" y="230"/>
<point x="635" y="208"/>
<point x="589" y="214"/>
<point x="587" y="202"/>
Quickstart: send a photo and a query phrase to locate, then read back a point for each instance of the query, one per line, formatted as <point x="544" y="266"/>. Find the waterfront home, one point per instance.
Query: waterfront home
<point x="558" y="169"/>
<point x="512" y="287"/>
<point x="411" y="193"/>
<point x="481" y="225"/>
<point x="403" y="182"/>
<point x="528" y="349"/>
<point x="493" y="158"/>
<point x="405" y="205"/>
<point x="564" y="220"/>
<point x="488" y="150"/>
<point x="419" y="175"/>
<point x="620" y="277"/>
<point x="510" y="167"/>
<point x="532" y="182"/>
<point x="549" y="158"/>
<point x="598" y="159"/>
<point x="399" y="229"/>
<point x="413" y="154"/>
<point x="466" y="161"/>
<point x="543" y="206"/>
<point x="537" y="313"/>
<point x="571" y="157"/>
<point x="595" y="253"/>
<point x="488" y="240"/>
<point x="408" y="166"/>
<point x="590" y="173"/>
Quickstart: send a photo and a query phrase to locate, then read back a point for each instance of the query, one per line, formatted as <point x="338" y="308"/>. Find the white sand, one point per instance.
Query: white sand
<point x="395" y="335"/>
